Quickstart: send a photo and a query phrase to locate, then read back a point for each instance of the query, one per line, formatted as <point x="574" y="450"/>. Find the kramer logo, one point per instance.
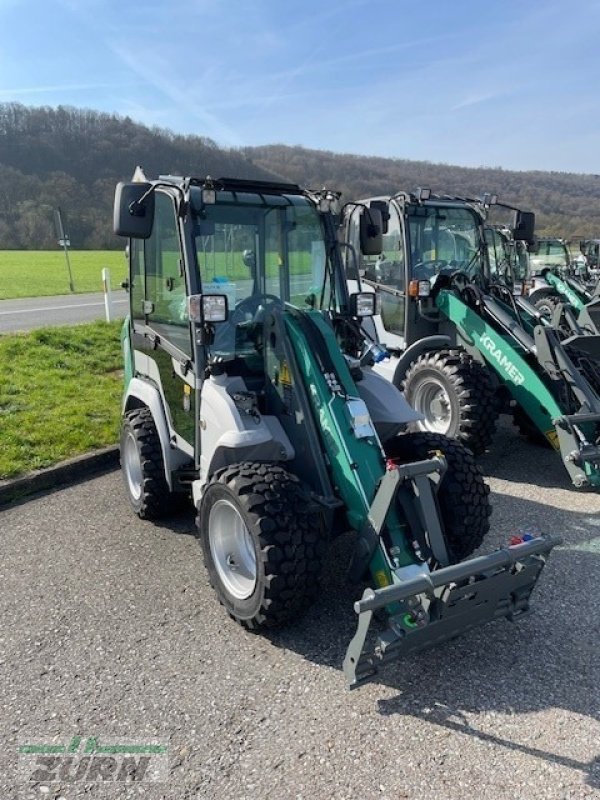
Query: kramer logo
<point x="87" y="761"/>
<point x="503" y="361"/>
<point x="572" y="297"/>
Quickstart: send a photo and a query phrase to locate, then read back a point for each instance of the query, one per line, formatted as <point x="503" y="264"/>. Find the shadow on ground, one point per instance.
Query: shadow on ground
<point x="547" y="660"/>
<point x="535" y="464"/>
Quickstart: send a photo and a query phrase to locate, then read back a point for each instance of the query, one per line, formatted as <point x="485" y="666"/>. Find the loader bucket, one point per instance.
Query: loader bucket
<point x="439" y="605"/>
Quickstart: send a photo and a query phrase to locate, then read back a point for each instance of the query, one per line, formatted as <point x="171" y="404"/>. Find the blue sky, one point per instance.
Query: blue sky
<point x="512" y="84"/>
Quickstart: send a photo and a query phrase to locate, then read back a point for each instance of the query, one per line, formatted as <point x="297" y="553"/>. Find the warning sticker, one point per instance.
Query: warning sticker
<point x="285" y="375"/>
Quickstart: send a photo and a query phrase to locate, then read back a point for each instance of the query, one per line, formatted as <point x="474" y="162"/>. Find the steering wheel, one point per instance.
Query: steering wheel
<point x="250" y="305"/>
<point x="427" y="268"/>
<point x="463" y="283"/>
<point x="460" y="279"/>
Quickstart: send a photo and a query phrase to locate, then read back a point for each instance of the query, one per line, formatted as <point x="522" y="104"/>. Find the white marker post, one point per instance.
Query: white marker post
<point x="107" y="293"/>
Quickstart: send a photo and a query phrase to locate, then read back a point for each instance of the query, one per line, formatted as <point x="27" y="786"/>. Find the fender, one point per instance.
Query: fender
<point x="388" y="408"/>
<point x="230" y="435"/>
<point x="417" y="349"/>
<point x="140" y="392"/>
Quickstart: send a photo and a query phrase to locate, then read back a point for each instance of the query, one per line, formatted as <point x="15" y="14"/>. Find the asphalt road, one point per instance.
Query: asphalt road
<point x="24" y="314"/>
<point x="109" y="629"/>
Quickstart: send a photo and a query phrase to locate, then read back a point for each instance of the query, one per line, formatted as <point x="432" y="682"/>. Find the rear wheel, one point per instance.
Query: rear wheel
<point x="455" y="395"/>
<point x="463" y="495"/>
<point x="142" y="466"/>
<point x="262" y="545"/>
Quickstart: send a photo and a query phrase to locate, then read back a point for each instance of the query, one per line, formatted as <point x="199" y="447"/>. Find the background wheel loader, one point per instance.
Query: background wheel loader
<point x="554" y="277"/>
<point x="545" y="279"/>
<point x="459" y="344"/>
<point x="248" y="387"/>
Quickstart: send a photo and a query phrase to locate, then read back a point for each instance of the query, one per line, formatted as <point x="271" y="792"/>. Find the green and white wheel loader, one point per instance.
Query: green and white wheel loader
<point x="460" y="345"/>
<point x="249" y="388"/>
<point x="545" y="287"/>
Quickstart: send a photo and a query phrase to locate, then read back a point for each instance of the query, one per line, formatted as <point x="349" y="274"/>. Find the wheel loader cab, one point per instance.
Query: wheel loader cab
<point x="429" y="242"/>
<point x="261" y="251"/>
<point x="550" y="253"/>
<point x="222" y="391"/>
<point x="421" y="239"/>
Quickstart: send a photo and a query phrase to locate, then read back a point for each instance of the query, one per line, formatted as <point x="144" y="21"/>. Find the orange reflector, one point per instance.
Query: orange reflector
<point x="413" y="289"/>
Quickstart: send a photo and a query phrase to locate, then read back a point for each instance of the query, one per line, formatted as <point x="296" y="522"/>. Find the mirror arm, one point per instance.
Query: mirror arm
<point x="136" y="208"/>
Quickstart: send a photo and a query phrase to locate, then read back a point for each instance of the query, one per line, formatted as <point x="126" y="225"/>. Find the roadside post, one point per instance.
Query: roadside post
<point x="107" y="293"/>
<point x="65" y="243"/>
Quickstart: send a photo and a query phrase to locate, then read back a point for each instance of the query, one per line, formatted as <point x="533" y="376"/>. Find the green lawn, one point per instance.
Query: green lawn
<point x="33" y="273"/>
<point x="60" y="394"/>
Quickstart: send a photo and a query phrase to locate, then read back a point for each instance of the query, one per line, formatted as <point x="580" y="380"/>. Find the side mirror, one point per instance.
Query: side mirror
<point x="383" y="207"/>
<point x="364" y="304"/>
<point x="133" y="216"/>
<point x="524" y="227"/>
<point x="205" y="308"/>
<point x="371" y="226"/>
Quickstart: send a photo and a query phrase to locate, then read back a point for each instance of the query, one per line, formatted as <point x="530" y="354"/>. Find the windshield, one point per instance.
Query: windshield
<point x="508" y="258"/>
<point x="259" y="250"/>
<point x="499" y="255"/>
<point x="550" y="253"/>
<point x="444" y="239"/>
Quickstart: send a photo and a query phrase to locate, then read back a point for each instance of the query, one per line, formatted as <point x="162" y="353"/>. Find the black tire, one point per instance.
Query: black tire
<point x="470" y="398"/>
<point x="285" y="535"/>
<point x="546" y="303"/>
<point x="463" y="495"/>
<point x="147" y="490"/>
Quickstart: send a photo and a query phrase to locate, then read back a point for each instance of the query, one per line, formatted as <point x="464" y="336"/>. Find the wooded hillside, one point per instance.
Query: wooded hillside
<point x="565" y="204"/>
<point x="71" y="158"/>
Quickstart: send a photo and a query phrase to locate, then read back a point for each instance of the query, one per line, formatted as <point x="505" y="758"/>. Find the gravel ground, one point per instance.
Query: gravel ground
<point x="109" y="629"/>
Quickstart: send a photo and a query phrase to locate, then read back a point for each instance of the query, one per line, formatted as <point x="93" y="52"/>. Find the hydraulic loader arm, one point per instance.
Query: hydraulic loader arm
<point x="535" y="370"/>
<point x="390" y="505"/>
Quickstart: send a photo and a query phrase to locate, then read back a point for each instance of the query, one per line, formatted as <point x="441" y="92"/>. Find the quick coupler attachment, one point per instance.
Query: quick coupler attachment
<point x="581" y="457"/>
<point x="437" y="606"/>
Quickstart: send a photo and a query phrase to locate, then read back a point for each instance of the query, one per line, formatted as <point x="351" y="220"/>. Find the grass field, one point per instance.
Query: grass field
<point x="33" y="273"/>
<point x="37" y="273"/>
<point x="60" y="391"/>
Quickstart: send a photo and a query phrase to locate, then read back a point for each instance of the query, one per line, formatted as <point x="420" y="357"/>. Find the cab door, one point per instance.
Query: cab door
<point x="162" y="331"/>
<point x="386" y="275"/>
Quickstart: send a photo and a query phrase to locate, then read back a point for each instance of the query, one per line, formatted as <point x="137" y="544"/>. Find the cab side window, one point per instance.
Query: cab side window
<point x="388" y="272"/>
<point x="388" y="268"/>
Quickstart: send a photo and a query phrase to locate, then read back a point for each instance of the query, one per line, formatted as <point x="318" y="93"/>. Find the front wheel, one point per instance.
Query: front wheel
<point x="463" y="495"/>
<point x="455" y="395"/>
<point x="262" y="544"/>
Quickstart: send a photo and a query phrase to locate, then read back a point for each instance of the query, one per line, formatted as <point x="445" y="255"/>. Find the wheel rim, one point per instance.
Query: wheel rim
<point x="232" y="549"/>
<point x="133" y="467"/>
<point x="432" y="400"/>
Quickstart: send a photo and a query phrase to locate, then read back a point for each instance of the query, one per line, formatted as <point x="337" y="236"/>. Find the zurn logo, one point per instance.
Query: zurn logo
<point x="503" y="361"/>
<point x="87" y="761"/>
